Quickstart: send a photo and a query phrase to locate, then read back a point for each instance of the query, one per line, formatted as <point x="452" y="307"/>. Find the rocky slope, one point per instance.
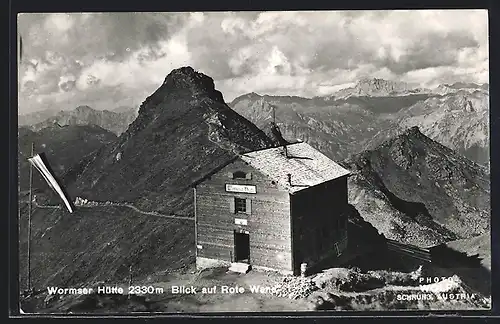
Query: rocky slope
<point x="64" y="147"/>
<point x="417" y="191"/>
<point x="116" y="122"/>
<point x="183" y="131"/>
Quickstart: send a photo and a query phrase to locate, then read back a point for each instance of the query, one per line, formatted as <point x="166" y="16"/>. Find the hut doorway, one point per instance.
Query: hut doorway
<point x="241" y="247"/>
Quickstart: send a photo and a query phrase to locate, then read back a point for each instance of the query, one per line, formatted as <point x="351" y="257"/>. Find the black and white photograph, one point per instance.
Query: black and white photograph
<point x="254" y="161"/>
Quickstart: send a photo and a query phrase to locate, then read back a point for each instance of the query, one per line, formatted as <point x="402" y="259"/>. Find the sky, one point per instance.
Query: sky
<point x="109" y="60"/>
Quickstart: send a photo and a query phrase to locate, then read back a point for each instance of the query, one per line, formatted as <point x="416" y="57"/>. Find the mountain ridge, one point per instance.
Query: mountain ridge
<point x="378" y="87"/>
<point x="115" y="122"/>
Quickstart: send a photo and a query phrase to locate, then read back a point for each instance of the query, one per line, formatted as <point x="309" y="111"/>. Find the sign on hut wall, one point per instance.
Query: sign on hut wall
<point x="241" y="188"/>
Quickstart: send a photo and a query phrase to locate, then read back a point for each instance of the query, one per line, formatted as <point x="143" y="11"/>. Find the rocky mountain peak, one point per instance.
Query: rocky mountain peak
<point x="84" y="109"/>
<point x="248" y="96"/>
<point x="186" y="78"/>
<point x="413" y="131"/>
<point x="410" y="144"/>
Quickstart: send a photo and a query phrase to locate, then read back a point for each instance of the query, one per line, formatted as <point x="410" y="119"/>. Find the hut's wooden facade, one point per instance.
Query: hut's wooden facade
<point x="275" y="209"/>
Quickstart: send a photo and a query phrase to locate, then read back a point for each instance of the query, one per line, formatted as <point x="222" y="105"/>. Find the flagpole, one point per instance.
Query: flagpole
<point x="29" y="218"/>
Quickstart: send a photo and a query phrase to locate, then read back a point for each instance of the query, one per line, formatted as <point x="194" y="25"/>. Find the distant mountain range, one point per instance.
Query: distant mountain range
<point x="378" y="88"/>
<point x="375" y="87"/>
<point x="364" y="116"/>
<point x="115" y="121"/>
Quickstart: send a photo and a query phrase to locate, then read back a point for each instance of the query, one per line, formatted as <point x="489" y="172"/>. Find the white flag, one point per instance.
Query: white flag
<point x="42" y="165"/>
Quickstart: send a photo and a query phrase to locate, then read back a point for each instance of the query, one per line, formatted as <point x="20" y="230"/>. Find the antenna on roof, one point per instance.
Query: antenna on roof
<point x="275" y="130"/>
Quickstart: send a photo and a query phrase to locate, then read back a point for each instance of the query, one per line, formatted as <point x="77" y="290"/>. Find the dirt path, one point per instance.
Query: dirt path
<point x="155" y="214"/>
<point x="115" y="204"/>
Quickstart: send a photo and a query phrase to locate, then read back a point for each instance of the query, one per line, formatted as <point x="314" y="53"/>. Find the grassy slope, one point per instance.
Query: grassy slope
<point x="99" y="244"/>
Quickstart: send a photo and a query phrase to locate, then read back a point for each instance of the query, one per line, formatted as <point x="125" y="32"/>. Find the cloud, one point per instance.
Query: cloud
<point x="142" y="68"/>
<point x="111" y="59"/>
<point x="58" y="22"/>
<point x="432" y="50"/>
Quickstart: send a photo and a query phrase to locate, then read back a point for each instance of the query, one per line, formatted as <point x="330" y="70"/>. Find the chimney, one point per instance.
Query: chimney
<point x="289" y="176"/>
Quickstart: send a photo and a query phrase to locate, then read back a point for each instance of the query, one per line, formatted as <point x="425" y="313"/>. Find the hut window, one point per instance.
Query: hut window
<point x="239" y="175"/>
<point x="240" y="205"/>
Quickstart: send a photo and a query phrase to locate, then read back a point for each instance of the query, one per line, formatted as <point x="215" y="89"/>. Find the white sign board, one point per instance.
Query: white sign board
<point x="239" y="221"/>
<point x="241" y="188"/>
